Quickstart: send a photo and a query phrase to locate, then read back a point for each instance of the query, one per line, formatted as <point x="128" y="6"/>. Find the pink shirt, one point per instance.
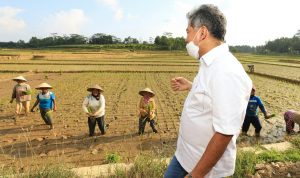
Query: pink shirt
<point x="20" y="92"/>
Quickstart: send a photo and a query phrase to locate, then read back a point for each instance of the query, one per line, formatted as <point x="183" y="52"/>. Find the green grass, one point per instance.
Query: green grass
<point x="113" y="158"/>
<point x="146" y="166"/>
<point x="245" y="164"/>
<point x="52" y="171"/>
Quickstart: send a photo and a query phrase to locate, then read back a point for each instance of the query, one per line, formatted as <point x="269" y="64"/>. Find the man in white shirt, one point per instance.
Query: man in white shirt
<point x="215" y="107"/>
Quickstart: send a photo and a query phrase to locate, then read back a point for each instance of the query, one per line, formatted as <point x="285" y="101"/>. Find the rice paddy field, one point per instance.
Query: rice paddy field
<point x="26" y="141"/>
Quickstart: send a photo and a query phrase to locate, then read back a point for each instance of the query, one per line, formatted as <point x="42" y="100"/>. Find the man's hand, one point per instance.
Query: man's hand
<point x="32" y="110"/>
<point x="180" y="84"/>
<point x="54" y="109"/>
<point x="268" y="116"/>
<point x="152" y="113"/>
<point x="90" y="114"/>
<point x="143" y="112"/>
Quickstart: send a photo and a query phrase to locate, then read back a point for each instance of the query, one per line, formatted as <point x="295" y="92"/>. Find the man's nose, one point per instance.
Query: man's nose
<point x="186" y="41"/>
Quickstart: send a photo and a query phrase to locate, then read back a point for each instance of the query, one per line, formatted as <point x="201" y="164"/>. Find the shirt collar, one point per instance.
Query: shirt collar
<point x="46" y="94"/>
<point x="214" y="53"/>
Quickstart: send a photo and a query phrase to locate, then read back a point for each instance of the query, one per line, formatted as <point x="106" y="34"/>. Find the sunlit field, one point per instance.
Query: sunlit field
<point x="25" y="141"/>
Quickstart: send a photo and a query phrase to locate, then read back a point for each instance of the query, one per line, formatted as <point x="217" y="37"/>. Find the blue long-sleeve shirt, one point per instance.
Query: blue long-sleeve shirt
<point x="254" y="103"/>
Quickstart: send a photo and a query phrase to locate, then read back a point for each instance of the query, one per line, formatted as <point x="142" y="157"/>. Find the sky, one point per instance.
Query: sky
<point x="249" y="22"/>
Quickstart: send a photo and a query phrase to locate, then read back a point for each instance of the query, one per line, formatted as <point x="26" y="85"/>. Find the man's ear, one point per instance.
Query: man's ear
<point x="204" y="33"/>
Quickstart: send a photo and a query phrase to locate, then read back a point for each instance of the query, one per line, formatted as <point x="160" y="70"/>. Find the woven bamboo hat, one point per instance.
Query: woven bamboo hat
<point x="97" y="87"/>
<point x="19" y="78"/>
<point x="43" y="85"/>
<point x="147" y="90"/>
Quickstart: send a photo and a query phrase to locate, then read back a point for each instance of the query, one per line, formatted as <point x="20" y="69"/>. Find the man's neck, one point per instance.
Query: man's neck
<point x="209" y="45"/>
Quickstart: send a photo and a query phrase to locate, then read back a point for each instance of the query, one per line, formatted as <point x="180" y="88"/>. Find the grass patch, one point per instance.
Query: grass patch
<point x="52" y="171"/>
<point x="112" y="158"/>
<point x="271" y="156"/>
<point x="296" y="142"/>
<point x="245" y="164"/>
<point x="6" y="172"/>
<point x="146" y="166"/>
<point x="291" y="155"/>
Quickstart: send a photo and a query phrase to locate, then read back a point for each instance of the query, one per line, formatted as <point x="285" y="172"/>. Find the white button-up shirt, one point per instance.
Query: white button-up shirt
<point x="217" y="102"/>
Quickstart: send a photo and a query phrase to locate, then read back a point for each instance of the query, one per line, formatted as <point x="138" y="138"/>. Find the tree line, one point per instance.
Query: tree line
<point x="280" y="45"/>
<point x="73" y="39"/>
<point x="164" y="42"/>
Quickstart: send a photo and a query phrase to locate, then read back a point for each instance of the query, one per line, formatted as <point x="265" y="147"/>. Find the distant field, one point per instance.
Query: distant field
<point x="122" y="74"/>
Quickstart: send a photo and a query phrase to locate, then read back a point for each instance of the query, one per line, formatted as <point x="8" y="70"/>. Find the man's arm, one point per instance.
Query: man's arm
<point x="262" y="107"/>
<point x="214" y="151"/>
<point x="35" y="104"/>
<point x="54" y="105"/>
<point x="13" y="95"/>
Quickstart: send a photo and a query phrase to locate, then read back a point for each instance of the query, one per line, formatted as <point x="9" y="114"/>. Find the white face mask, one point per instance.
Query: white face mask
<point x="192" y="49"/>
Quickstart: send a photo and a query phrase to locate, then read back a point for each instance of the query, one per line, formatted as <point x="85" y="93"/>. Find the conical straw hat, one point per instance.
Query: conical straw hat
<point x="20" y="78"/>
<point x="44" y="85"/>
<point x="147" y="90"/>
<point x="97" y="87"/>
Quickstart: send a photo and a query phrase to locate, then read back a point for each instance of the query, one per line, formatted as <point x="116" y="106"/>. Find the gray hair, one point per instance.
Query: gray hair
<point x="211" y="17"/>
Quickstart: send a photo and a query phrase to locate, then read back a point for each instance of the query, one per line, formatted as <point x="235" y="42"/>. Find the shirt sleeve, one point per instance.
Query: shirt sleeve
<point x="52" y="96"/>
<point x="230" y="97"/>
<point x="261" y="106"/>
<point x="85" y="104"/>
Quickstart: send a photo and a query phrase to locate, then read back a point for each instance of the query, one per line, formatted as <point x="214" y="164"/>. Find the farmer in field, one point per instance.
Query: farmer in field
<point x="252" y="114"/>
<point x="22" y="94"/>
<point x="94" y="106"/>
<point x="215" y="107"/>
<point x="47" y="104"/>
<point x="291" y="117"/>
<point x="147" y="110"/>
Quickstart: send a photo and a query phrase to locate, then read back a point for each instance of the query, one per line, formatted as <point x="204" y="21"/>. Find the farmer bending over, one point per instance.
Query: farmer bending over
<point x="291" y="117"/>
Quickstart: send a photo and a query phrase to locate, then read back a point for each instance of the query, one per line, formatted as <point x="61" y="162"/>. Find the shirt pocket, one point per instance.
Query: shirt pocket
<point x="199" y="100"/>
